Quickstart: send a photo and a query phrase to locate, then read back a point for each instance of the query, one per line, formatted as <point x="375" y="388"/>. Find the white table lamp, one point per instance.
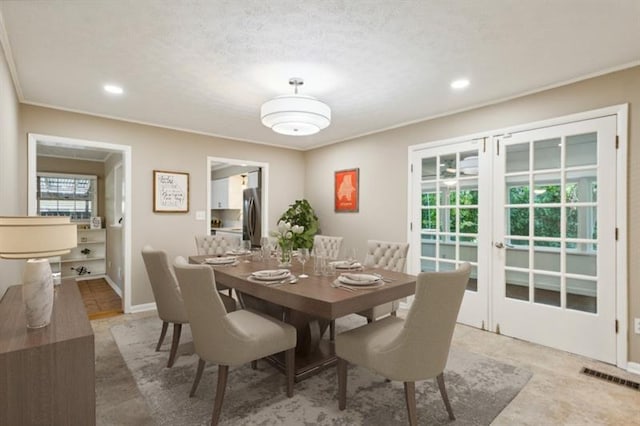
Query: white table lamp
<point x="36" y="238"/>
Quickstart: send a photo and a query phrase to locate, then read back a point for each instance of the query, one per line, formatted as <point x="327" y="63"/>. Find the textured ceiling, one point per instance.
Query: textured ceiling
<point x="207" y="66"/>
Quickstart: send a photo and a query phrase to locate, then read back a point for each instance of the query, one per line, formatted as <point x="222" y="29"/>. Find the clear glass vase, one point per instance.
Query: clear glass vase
<point x="285" y="253"/>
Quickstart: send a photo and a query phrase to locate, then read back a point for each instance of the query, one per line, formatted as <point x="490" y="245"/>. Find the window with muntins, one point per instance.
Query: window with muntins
<point x="67" y="195"/>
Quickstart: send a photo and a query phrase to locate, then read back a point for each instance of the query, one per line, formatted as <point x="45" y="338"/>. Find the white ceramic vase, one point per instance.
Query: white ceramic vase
<point x="37" y="292"/>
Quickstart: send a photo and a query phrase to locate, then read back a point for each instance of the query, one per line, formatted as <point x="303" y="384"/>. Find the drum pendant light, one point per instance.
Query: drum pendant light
<point x="295" y="115"/>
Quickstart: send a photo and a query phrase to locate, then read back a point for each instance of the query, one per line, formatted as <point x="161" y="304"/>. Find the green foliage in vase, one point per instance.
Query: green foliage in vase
<point x="301" y="213"/>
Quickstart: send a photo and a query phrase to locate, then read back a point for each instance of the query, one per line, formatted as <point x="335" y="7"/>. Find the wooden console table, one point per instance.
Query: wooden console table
<point x="47" y="375"/>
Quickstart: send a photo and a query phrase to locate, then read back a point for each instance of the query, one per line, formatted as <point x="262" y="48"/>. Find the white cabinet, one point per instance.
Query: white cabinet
<point x="226" y="193"/>
<point x="88" y="259"/>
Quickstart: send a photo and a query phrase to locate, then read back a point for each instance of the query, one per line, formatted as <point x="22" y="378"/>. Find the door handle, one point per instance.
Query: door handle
<point x="499" y="245"/>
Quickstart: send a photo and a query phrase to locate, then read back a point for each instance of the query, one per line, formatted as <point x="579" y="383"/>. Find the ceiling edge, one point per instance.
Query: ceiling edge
<point x="8" y="54"/>
<point x="161" y="126"/>
<point x="485" y="104"/>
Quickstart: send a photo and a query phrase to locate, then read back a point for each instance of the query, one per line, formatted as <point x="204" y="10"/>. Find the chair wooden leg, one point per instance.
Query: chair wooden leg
<point x="163" y="333"/>
<point x="410" y="397"/>
<point x="223" y="372"/>
<point x="445" y="397"/>
<point x="342" y="384"/>
<point x="196" y="381"/>
<point x="369" y="320"/>
<point x="394" y="313"/>
<point x="332" y="330"/>
<point x="177" y="329"/>
<point x="290" y="363"/>
<point x="254" y="364"/>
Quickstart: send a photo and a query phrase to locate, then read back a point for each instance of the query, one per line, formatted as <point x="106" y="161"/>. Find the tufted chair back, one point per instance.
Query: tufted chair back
<point x="216" y="244"/>
<point x="386" y="255"/>
<point x="329" y="245"/>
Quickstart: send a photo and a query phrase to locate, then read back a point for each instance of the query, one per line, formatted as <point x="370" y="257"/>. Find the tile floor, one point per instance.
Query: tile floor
<point x="557" y="394"/>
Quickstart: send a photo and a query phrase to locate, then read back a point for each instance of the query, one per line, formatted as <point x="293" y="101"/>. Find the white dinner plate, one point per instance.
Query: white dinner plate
<point x="220" y="260"/>
<point x="271" y="274"/>
<point x="358" y="279"/>
<point x="238" y="252"/>
<point x="346" y="265"/>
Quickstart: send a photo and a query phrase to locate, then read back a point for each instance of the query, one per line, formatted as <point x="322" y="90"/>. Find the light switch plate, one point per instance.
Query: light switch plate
<point x="201" y="215"/>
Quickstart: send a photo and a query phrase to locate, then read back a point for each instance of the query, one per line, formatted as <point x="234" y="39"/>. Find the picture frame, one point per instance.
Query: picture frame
<point x="95" y="222"/>
<point x="347" y="191"/>
<point x="170" y="192"/>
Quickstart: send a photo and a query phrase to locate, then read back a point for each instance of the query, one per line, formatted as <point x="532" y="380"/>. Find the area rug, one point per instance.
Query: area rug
<point x="479" y="388"/>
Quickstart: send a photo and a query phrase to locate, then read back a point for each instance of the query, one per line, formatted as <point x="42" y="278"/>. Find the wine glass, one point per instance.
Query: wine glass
<point x="303" y="256"/>
<point x="352" y="256"/>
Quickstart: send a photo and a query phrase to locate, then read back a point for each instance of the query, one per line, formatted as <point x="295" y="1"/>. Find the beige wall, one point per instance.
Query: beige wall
<point x="156" y="148"/>
<point x="78" y="167"/>
<point x="382" y="159"/>
<point x="10" y="270"/>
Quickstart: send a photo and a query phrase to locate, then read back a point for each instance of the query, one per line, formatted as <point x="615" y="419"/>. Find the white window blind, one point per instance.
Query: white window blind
<point x="67" y="195"/>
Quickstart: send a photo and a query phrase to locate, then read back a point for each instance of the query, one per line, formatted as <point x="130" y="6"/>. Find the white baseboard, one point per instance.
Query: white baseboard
<point x="113" y="285"/>
<point x="633" y="367"/>
<point x="142" y="308"/>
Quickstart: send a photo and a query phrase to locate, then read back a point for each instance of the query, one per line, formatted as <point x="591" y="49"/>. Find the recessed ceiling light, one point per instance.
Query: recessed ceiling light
<point x="112" y="88"/>
<point x="459" y="84"/>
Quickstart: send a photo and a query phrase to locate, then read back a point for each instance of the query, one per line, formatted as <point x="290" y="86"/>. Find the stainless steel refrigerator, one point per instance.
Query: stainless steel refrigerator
<point x="251" y="216"/>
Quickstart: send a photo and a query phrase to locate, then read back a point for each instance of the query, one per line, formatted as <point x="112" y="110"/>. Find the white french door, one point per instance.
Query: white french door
<point x="534" y="213"/>
<point x="554" y="237"/>
<point x="452" y="218"/>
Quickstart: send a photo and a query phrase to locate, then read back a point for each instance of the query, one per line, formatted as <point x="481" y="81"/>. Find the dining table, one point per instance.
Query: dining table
<point x="310" y="304"/>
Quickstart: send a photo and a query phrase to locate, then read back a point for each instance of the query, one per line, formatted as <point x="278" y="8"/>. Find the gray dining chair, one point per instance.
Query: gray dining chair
<point x="392" y="257"/>
<point x="217" y="245"/>
<point x="229" y="339"/>
<point x="329" y="245"/>
<point x="168" y="298"/>
<point x="413" y="349"/>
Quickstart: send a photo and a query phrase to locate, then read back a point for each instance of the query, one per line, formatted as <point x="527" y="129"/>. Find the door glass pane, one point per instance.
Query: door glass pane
<point x="546" y="154"/>
<point x="448" y="193"/>
<point x="468" y="163"/>
<point x="472" y="284"/>
<point x="582" y="222"/>
<point x="430" y="169"/>
<point x="546" y="289"/>
<point x="447" y="248"/>
<point x="429" y="219"/>
<point x="447" y="220"/>
<point x="582" y="186"/>
<point x="546" y="260"/>
<point x="448" y="166"/>
<point x="468" y="253"/>
<point x="518" y="221"/>
<point x="517" y="256"/>
<point x="428" y="244"/>
<point x="547" y="188"/>
<point x="428" y="194"/>
<point x="582" y="295"/>
<point x="517" y="158"/>
<point x="427" y="265"/>
<point x="582" y="150"/>
<point x="547" y="221"/>
<point x="447" y="266"/>
<point x="469" y="192"/>
<point x="468" y="221"/>
<point x="517" y="285"/>
<point x="584" y="262"/>
<point x="517" y="189"/>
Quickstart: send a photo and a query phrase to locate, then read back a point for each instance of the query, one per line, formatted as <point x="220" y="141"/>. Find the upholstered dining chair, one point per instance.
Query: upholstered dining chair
<point x="168" y="298"/>
<point x="216" y="245"/>
<point x="412" y="349"/>
<point x="229" y="339"/>
<point x="390" y="256"/>
<point x="330" y="246"/>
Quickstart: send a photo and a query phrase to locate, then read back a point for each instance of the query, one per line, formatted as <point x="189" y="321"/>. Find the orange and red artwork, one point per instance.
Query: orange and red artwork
<point x="346" y="190"/>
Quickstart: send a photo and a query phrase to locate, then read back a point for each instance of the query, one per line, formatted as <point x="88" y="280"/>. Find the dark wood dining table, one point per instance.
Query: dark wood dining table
<point x="310" y="304"/>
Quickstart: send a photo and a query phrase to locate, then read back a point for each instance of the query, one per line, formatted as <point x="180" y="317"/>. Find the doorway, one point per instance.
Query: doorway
<point x="116" y="229"/>
<point x="535" y="211"/>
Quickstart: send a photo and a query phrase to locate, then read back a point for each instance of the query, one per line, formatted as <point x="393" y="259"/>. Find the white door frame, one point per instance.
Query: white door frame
<point x="622" y="113"/>
<point x="125" y="150"/>
<point x="264" y="188"/>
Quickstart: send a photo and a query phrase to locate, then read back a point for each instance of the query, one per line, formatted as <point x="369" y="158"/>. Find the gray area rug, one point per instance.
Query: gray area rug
<point x="479" y="388"/>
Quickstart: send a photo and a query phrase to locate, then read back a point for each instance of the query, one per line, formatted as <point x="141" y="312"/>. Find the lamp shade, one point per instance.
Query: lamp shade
<point x="26" y="237"/>
<point x="295" y="115"/>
